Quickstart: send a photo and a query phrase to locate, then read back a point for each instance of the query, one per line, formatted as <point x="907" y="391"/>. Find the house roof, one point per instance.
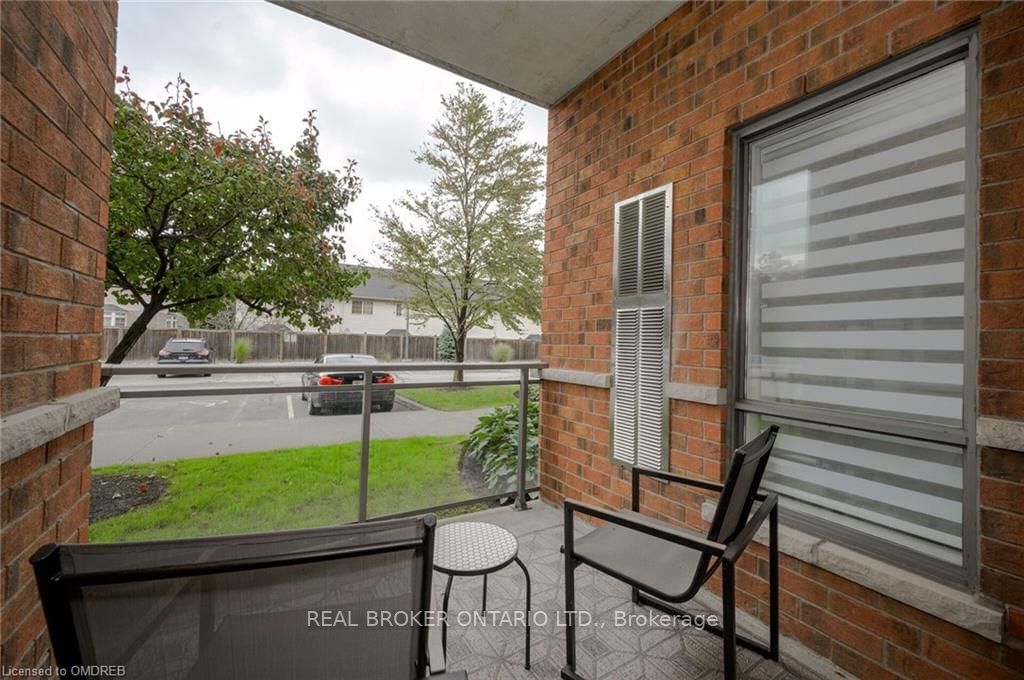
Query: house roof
<point x="380" y="286"/>
<point x="537" y="51"/>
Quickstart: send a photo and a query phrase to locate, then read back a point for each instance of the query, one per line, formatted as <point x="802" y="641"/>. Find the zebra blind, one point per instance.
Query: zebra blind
<point x="641" y="330"/>
<point x="855" y="303"/>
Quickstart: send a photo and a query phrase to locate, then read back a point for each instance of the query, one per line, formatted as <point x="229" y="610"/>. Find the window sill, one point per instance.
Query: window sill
<point x="941" y="601"/>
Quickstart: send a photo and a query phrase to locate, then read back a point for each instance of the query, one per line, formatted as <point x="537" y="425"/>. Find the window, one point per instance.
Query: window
<point x="362" y="306"/>
<point x="170" y="322"/>
<point x="399" y="309"/>
<point x="115" y="319"/>
<point x="642" y="323"/>
<point x="856" y="283"/>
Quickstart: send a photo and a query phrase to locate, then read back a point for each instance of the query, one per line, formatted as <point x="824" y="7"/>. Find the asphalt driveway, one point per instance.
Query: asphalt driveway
<point x="156" y="429"/>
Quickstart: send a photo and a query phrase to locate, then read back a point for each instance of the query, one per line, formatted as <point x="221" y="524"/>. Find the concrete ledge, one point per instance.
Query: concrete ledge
<point x="1001" y="434"/>
<point x="941" y="601"/>
<point x="585" y="378"/>
<point x="702" y="394"/>
<point x="34" y="427"/>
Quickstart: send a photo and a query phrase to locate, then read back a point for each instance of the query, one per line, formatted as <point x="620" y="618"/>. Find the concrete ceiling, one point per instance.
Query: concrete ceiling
<point x="538" y="51"/>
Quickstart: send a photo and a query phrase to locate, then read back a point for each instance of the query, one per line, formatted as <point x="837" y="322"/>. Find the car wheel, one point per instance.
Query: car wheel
<point x="161" y="375"/>
<point x="313" y="410"/>
<point x="302" y="396"/>
<point x="207" y="375"/>
<point x="387" y="406"/>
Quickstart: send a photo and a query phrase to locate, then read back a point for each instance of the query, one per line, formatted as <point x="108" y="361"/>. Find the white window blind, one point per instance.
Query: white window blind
<point x="855" y="303"/>
<point x="641" y="331"/>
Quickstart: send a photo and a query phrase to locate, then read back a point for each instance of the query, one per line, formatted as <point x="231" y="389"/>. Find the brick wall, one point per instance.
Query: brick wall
<point x="658" y="114"/>
<point x="46" y="499"/>
<point x="57" y="66"/>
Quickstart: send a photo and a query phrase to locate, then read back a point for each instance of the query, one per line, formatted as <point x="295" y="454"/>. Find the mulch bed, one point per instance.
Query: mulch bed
<point x="114" y="495"/>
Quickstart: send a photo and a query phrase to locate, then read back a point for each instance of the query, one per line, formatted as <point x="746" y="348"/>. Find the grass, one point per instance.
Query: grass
<point x="287" y="489"/>
<point x="462" y="399"/>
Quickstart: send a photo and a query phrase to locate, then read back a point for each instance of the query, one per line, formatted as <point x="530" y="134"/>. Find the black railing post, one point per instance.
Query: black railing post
<point x="364" y="449"/>
<point x="524" y="402"/>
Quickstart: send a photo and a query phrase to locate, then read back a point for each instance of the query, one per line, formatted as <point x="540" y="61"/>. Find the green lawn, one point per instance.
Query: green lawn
<point x="287" y="489"/>
<point x="462" y="399"/>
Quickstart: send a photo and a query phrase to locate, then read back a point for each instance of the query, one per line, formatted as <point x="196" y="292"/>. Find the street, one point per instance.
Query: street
<point x="167" y="428"/>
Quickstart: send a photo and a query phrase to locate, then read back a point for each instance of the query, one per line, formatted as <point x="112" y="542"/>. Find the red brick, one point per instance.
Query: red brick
<point x="1002" y="495"/>
<point x="22" y="532"/>
<point x="958" y="660"/>
<point x="21" y="390"/>
<point x="28" y="315"/>
<point x="50" y="282"/>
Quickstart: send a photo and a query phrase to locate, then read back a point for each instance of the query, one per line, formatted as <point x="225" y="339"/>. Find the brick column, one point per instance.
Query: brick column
<point x="57" y="92"/>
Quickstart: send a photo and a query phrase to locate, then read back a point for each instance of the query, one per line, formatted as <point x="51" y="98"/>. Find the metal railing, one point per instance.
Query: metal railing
<point x="519" y="494"/>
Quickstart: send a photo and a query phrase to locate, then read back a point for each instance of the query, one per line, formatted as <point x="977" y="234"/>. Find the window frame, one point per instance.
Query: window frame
<point x="114" y="316"/>
<point x="639" y="300"/>
<point x="961" y="45"/>
<point x="365" y="307"/>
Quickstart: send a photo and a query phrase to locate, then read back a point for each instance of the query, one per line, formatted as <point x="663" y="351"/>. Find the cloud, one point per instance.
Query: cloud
<point x="245" y="59"/>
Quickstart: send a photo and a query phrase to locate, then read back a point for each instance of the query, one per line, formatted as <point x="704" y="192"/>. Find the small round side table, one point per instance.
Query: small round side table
<point x="476" y="549"/>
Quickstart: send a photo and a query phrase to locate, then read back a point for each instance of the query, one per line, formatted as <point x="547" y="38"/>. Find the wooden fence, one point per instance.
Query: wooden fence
<point x="285" y="346"/>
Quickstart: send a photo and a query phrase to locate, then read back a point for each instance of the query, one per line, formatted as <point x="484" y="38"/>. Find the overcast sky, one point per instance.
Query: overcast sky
<point x="245" y="59"/>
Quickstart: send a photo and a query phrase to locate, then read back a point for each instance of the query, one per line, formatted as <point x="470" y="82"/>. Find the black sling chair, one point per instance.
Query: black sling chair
<point x="665" y="564"/>
<point x="247" y="606"/>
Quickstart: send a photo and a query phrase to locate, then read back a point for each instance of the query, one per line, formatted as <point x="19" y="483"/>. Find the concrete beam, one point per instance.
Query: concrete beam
<point x="24" y="431"/>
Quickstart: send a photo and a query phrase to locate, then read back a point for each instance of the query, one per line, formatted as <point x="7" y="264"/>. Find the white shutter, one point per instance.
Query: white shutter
<point x="650" y="436"/>
<point x="641" y="338"/>
<point x="624" y="404"/>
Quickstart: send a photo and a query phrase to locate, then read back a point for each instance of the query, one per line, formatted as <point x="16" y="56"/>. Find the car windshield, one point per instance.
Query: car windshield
<point x="184" y="345"/>
<point x="336" y="359"/>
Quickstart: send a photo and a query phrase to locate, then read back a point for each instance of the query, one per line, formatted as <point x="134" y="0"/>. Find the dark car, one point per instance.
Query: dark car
<point x="184" y="351"/>
<point x="334" y="373"/>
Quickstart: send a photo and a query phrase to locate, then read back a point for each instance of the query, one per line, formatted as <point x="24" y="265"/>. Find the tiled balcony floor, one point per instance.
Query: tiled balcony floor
<point x="605" y="651"/>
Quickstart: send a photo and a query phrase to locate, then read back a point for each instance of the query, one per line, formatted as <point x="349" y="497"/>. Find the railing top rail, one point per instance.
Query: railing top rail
<point x="175" y="369"/>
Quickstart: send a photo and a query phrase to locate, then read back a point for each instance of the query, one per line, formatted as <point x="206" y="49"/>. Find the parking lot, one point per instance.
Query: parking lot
<point x="167" y="428"/>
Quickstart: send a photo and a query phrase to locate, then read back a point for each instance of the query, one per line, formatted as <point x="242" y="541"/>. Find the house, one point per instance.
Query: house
<point x="379" y="307"/>
<point x="801" y="213"/>
<point x="118" y="315"/>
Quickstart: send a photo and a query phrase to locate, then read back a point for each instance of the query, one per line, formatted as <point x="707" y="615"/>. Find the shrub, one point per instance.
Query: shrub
<point x="494" y="444"/>
<point x="241" y="350"/>
<point x="446" y="346"/>
<point x="502" y="352"/>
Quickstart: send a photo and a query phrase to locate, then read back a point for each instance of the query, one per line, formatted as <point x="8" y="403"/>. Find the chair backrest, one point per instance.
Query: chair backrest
<point x="279" y="605"/>
<point x="742" y="482"/>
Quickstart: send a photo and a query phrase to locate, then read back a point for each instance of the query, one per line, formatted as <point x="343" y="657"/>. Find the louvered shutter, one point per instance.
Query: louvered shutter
<point x="641" y="332"/>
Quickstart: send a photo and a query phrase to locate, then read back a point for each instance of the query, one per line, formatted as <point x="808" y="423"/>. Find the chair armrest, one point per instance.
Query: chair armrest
<point x="641" y="524"/>
<point x="746" y="535"/>
<point x="679" y="479"/>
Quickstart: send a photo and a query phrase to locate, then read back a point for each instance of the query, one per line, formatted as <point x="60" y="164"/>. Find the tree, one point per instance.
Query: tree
<point x="199" y="220"/>
<point x="469" y="246"/>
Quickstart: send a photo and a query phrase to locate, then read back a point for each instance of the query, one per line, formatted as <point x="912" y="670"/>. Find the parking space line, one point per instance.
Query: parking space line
<point x="291" y="409"/>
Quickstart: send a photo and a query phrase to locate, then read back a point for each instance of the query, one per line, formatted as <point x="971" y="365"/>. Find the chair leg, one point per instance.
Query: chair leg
<point x="570" y="608"/>
<point x="444" y="629"/>
<point x="483" y="607"/>
<point x="729" y="619"/>
<point x="635" y="595"/>
<point x="527" y="575"/>
<point x="773" y="583"/>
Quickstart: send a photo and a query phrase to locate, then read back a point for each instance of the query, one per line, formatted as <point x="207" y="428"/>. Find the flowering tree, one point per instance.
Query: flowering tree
<point x="201" y="220"/>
